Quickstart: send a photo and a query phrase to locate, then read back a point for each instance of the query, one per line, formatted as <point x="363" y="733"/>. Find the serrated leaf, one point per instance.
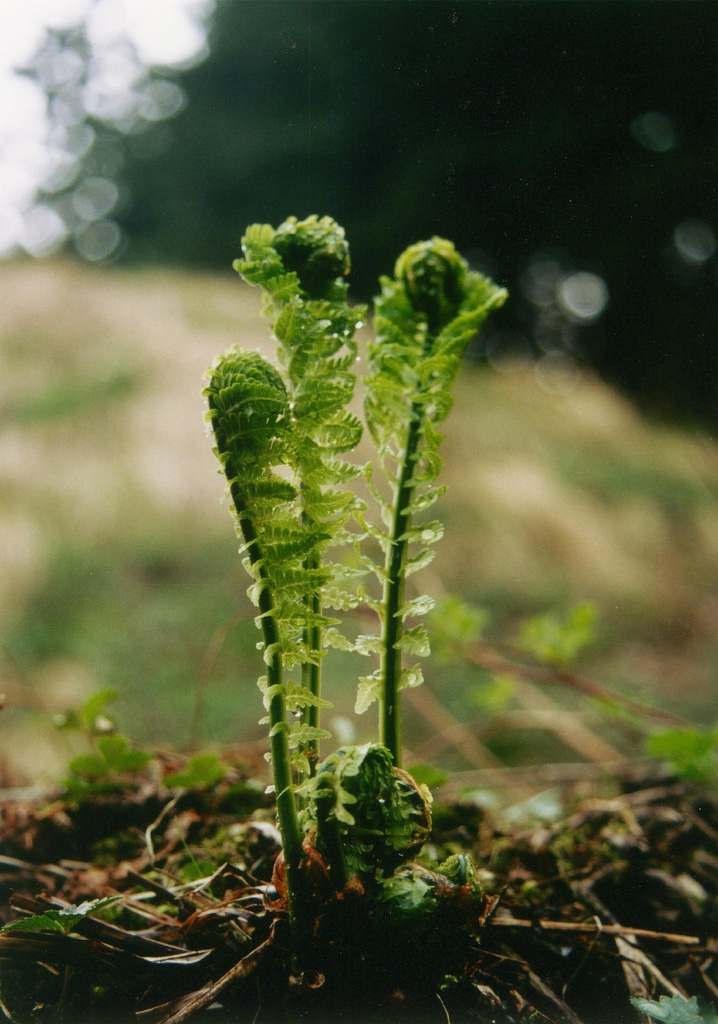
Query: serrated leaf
<point x="335" y="597"/>
<point x="300" y="734"/>
<point x="427" y="533"/>
<point x="417" y="606"/>
<point x="367" y="645"/>
<point x="420" y="561"/>
<point x="411" y="678"/>
<point x="333" y="638"/>
<point x="415" y="641"/>
<point x="35" y="923"/>
<point x="63" y="921"/>
<point x="425" y="500"/>
<point x="279" y="727"/>
<point x="298" y="697"/>
<point x="368" y="692"/>
<point x="677" y="1010"/>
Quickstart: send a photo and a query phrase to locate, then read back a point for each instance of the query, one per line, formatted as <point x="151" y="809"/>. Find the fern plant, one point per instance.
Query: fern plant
<point x="425" y="318"/>
<point x="281" y="436"/>
<point x="300" y="269"/>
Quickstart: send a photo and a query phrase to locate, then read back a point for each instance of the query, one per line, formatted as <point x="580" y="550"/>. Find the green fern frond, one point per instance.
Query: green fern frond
<point x="424" y="319"/>
<point x="301" y="268"/>
<point x="415" y="641"/>
<point x="368" y="691"/>
<point x="248" y="411"/>
<point x="368" y="818"/>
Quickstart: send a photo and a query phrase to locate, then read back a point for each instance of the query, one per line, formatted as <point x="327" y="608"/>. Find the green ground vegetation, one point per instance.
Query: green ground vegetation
<point x="119" y="571"/>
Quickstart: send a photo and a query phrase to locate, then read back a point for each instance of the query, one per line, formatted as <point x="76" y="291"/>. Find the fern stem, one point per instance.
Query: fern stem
<point x="314" y="673"/>
<point x="312" y="670"/>
<point x="393" y="597"/>
<point x="330" y="836"/>
<point x="281" y="763"/>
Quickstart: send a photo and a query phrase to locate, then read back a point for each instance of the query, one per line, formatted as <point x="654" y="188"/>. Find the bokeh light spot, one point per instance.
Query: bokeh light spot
<point x="94" y="198"/>
<point x="558" y="373"/>
<point x="655" y="131"/>
<point x="75" y="75"/>
<point x="695" y="241"/>
<point x="583" y="295"/>
<point x="43" y="231"/>
<point x="539" y="282"/>
<point x="97" y="240"/>
<point x="161" y="99"/>
<point x="509" y="352"/>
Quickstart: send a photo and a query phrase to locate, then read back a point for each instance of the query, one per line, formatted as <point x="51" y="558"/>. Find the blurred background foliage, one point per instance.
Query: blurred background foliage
<point x="569" y="149"/>
<point x="547" y="139"/>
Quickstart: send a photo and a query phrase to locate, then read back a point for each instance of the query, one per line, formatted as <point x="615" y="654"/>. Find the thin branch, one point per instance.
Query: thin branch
<point x="443" y="723"/>
<point x="184" y="1007"/>
<point x="586" y="928"/>
<point x="485" y="656"/>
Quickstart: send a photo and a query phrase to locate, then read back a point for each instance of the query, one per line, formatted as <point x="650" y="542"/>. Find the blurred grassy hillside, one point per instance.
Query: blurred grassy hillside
<point x="119" y="560"/>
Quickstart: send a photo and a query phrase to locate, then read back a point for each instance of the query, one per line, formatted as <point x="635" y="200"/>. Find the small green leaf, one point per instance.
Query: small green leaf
<point x="417" y="606"/>
<point x="494" y="694"/>
<point x="90" y="717"/>
<point x="119" y="755"/>
<point x="331" y="637"/>
<point x="411" y="677"/>
<point x="367" y="692"/>
<point x="202" y="772"/>
<point x="455" y="627"/>
<point x="89" y="766"/>
<point x="415" y="641"/>
<point x="196" y="869"/>
<point x="368" y="644"/>
<point x="300" y="734"/>
<point x="557" y="640"/>
<point x="691" y="753"/>
<point x="94" y="707"/>
<point x="420" y="561"/>
<point x="677" y="1010"/>
<point x="35" y="923"/>
<point x="299" y="697"/>
<point x="63" y="921"/>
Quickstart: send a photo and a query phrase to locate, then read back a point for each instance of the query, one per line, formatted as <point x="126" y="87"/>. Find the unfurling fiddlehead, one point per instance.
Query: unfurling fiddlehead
<point x="424" y="319"/>
<point x="362" y="814"/>
<point x="369" y="817"/>
<point x="248" y="409"/>
<point x="300" y="267"/>
<point x="297" y="418"/>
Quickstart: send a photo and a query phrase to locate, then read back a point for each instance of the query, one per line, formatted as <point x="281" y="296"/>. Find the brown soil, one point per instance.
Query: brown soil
<point x="617" y="899"/>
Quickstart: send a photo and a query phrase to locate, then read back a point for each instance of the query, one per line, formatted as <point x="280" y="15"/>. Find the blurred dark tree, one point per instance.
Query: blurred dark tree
<point x="505" y="126"/>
